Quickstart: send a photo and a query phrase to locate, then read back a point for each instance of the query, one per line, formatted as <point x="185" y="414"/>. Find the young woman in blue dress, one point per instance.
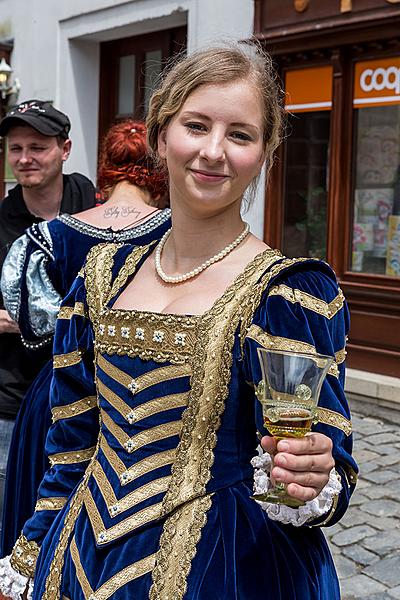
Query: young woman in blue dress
<point x="149" y="494"/>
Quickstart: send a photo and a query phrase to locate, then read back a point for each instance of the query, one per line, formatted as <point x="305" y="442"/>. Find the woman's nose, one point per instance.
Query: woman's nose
<point x="213" y="148"/>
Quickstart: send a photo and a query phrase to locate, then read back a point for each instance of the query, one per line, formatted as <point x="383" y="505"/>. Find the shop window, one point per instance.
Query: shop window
<point x="308" y="101"/>
<point x="376" y="222"/>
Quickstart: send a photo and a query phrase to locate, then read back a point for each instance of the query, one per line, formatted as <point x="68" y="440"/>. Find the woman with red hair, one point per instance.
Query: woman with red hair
<point x="39" y="270"/>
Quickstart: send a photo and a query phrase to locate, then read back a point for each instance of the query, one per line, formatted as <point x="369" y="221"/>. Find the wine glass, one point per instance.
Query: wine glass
<point x="289" y="392"/>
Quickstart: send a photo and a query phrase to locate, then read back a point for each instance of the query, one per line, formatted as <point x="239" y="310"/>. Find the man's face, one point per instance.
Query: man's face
<point x="35" y="159"/>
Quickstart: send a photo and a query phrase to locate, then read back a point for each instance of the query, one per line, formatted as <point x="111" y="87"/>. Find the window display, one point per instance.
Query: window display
<point x="376" y="230"/>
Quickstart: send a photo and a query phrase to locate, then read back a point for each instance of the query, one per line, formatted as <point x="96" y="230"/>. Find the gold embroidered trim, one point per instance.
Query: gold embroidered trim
<point x="67" y="312"/>
<point x="308" y="301"/>
<point x="181" y="533"/>
<point x="24" y="556"/>
<point x="340" y="356"/>
<point x="67" y="360"/>
<point x="128" y="268"/>
<point x="148" y="436"/>
<point x="50" y="504"/>
<point x="138" y="519"/>
<point x="350" y="474"/>
<point x="117" y="506"/>
<point x="98" y="276"/>
<point x="75" y="408"/>
<point x="69" y="458"/>
<point x="137" y="569"/>
<point x="112" y="457"/>
<point x="53" y="581"/>
<point x="142" y="411"/>
<point x="154" y="377"/>
<point x="144" y="466"/>
<point x="191" y="471"/>
<point x="80" y="573"/>
<point x="330" y="417"/>
<point x="161" y="337"/>
<point x="272" y="342"/>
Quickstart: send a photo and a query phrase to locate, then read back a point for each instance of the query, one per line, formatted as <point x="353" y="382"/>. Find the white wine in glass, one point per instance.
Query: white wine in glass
<point x="289" y="393"/>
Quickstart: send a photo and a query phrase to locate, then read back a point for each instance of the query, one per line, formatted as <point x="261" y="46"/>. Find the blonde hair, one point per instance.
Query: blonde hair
<point x="218" y="65"/>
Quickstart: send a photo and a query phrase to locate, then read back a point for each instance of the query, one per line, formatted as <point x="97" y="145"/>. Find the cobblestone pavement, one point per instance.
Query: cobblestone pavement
<point x="366" y="543"/>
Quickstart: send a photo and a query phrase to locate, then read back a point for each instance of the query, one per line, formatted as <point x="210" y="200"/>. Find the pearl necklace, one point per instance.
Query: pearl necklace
<point x="202" y="267"/>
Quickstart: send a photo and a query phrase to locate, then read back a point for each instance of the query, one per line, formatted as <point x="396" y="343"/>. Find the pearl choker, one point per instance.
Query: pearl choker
<point x="202" y="267"/>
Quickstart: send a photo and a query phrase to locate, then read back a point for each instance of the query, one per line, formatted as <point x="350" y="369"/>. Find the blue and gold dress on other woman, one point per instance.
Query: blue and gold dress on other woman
<point x="154" y="426"/>
<point x="39" y="271"/>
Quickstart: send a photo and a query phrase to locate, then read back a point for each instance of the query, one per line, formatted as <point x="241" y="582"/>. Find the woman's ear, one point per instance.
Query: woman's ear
<point x="162" y="143"/>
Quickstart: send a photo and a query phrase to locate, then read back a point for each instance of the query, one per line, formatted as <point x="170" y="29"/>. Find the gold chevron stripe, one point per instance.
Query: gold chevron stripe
<point x="67" y="312"/>
<point x="75" y="408"/>
<point x="137" y="569"/>
<point x="144" y="466"/>
<point x="147" y="409"/>
<point x="80" y="572"/>
<point x="272" y="342"/>
<point x="331" y="417"/>
<point x="50" y="503"/>
<point x="69" y="458"/>
<point x="308" y="301"/>
<point x="103" y="536"/>
<point x="112" y="457"/>
<point x="116" y="506"/>
<point x="154" y="434"/>
<point x="154" y="377"/>
<point x="67" y="360"/>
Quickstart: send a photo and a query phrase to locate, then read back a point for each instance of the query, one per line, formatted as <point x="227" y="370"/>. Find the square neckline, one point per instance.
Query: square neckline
<point x="182" y="316"/>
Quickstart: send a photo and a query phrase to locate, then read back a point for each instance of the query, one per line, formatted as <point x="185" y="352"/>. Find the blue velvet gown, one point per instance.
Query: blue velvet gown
<point x="43" y="265"/>
<point x="154" y="426"/>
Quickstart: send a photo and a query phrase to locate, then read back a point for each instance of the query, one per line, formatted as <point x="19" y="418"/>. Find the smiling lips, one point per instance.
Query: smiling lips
<point x="209" y="176"/>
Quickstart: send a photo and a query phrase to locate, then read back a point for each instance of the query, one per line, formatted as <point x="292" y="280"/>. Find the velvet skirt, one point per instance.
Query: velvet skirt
<point x="241" y="555"/>
<point x="27" y="462"/>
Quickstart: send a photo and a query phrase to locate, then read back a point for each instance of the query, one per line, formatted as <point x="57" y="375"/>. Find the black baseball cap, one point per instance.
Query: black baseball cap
<point x="39" y="114"/>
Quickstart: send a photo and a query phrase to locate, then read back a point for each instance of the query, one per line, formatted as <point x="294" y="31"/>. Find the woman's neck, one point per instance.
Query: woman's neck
<point x="196" y="238"/>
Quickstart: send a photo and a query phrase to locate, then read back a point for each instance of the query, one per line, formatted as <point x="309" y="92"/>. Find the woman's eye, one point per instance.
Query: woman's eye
<point x="195" y="127"/>
<point x="241" y="136"/>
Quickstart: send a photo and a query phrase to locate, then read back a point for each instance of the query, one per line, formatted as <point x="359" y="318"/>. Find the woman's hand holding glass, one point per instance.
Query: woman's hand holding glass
<point x="302" y="464"/>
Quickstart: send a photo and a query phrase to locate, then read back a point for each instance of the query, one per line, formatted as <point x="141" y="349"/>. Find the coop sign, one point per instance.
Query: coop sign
<point x="377" y="82"/>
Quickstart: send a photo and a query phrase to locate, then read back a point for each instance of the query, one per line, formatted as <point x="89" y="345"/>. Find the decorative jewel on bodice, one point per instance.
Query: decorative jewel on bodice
<point x="102" y="537"/>
<point x="130" y="445"/>
<point x="111" y="330"/>
<point x="180" y="339"/>
<point x="131" y="417"/>
<point x="158" y="336"/>
<point x="133" y="386"/>
<point x="139" y="333"/>
<point x="102" y="329"/>
<point x="114" y="509"/>
<point x="125" y="332"/>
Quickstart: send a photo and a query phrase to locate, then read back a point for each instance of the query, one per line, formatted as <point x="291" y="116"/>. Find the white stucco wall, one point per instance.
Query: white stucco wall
<point x="56" y="53"/>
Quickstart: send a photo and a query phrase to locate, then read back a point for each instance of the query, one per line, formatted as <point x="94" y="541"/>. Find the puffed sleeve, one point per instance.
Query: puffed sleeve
<point x="29" y="294"/>
<point x="302" y="309"/>
<point x="72" y="438"/>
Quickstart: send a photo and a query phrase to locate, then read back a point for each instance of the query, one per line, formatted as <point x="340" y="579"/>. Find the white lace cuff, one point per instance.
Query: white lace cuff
<point x="12" y="584"/>
<point x="285" y="514"/>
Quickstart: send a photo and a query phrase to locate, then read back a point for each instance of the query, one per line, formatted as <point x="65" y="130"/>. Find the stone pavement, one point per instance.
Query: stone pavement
<point x="366" y="543"/>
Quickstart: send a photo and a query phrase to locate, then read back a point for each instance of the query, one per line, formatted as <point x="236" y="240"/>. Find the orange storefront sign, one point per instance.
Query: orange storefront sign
<point x="308" y="89"/>
<point x="377" y="82"/>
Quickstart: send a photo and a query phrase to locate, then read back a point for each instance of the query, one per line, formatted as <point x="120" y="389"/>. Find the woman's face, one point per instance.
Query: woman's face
<point x="214" y="147"/>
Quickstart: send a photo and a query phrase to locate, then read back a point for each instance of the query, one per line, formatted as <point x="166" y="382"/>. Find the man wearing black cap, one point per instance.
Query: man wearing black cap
<point x="38" y="144"/>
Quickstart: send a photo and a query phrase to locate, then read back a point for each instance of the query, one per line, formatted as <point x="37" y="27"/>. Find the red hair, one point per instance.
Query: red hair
<point x="125" y="157"/>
